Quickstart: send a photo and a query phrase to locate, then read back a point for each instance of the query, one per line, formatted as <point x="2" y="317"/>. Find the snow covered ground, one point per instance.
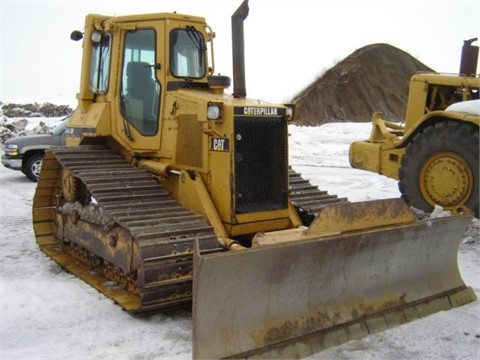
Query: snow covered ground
<point x="46" y="313"/>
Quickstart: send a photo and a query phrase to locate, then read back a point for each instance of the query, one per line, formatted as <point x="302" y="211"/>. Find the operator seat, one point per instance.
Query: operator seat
<point x="141" y="87"/>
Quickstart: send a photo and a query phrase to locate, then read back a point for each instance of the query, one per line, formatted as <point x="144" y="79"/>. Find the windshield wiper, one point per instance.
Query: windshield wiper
<point x="196" y="38"/>
<point x="123" y="110"/>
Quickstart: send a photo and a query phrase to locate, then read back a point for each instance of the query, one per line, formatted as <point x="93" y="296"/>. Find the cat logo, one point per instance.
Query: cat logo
<point x="219" y="144"/>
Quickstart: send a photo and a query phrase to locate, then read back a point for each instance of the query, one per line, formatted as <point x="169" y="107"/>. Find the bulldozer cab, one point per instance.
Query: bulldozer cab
<point x="133" y="62"/>
<point x="142" y="78"/>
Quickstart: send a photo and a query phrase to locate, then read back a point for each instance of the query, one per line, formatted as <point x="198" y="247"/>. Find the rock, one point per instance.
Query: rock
<point x="35" y="110"/>
<point x="17" y="127"/>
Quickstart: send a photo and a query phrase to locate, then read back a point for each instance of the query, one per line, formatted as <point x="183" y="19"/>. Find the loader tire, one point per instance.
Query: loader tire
<point x="440" y="167"/>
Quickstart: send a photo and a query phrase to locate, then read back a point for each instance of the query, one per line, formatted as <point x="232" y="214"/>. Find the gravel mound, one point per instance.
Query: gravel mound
<point x="373" y="78"/>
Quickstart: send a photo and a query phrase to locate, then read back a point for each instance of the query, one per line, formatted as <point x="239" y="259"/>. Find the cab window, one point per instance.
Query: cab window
<point x="187" y="53"/>
<point x="100" y="61"/>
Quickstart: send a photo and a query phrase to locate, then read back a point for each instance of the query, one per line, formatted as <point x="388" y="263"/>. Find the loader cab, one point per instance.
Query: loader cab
<point x="433" y="92"/>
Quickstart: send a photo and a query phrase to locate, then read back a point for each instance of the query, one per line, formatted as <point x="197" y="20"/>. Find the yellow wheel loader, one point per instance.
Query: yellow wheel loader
<point x="171" y="192"/>
<point x="435" y="153"/>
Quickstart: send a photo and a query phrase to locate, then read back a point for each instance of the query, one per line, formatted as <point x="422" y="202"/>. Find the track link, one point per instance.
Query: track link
<point x="307" y="196"/>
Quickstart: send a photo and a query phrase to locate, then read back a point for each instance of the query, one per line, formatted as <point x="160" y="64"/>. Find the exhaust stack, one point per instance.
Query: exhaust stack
<point x="238" y="51"/>
<point x="468" y="62"/>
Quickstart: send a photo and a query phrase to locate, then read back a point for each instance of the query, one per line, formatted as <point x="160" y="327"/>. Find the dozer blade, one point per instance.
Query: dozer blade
<point x="293" y="299"/>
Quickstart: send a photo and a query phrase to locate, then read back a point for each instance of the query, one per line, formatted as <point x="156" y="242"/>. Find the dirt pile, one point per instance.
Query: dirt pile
<point x="373" y="78"/>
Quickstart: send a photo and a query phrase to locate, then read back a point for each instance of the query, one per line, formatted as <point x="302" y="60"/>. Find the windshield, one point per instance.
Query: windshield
<point x="187" y="53"/>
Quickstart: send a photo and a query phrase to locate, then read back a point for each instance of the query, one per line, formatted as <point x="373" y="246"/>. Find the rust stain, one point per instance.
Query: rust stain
<point x="348" y="312"/>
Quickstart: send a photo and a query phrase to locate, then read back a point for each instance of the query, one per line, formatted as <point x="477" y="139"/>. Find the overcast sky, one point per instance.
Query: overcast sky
<point x="289" y="43"/>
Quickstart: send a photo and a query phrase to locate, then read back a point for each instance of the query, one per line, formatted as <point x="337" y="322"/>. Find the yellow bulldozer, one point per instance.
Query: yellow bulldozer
<point x="434" y="153"/>
<point x="171" y="193"/>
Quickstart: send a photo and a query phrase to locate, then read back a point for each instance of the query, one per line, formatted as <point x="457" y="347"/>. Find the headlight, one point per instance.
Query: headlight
<point x="290" y="113"/>
<point x="213" y="112"/>
<point x="11" y="149"/>
<point x="96" y="37"/>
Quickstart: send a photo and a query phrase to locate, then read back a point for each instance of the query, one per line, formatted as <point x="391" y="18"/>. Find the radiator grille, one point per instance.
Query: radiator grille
<point x="261" y="164"/>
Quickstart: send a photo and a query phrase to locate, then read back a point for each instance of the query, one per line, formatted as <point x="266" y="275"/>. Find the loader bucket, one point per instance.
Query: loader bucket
<point x="293" y="299"/>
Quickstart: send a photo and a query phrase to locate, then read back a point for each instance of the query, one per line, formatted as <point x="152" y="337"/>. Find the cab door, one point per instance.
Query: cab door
<point x="140" y="87"/>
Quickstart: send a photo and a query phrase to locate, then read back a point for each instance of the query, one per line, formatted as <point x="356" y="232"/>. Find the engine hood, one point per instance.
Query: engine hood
<point x="34" y="140"/>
